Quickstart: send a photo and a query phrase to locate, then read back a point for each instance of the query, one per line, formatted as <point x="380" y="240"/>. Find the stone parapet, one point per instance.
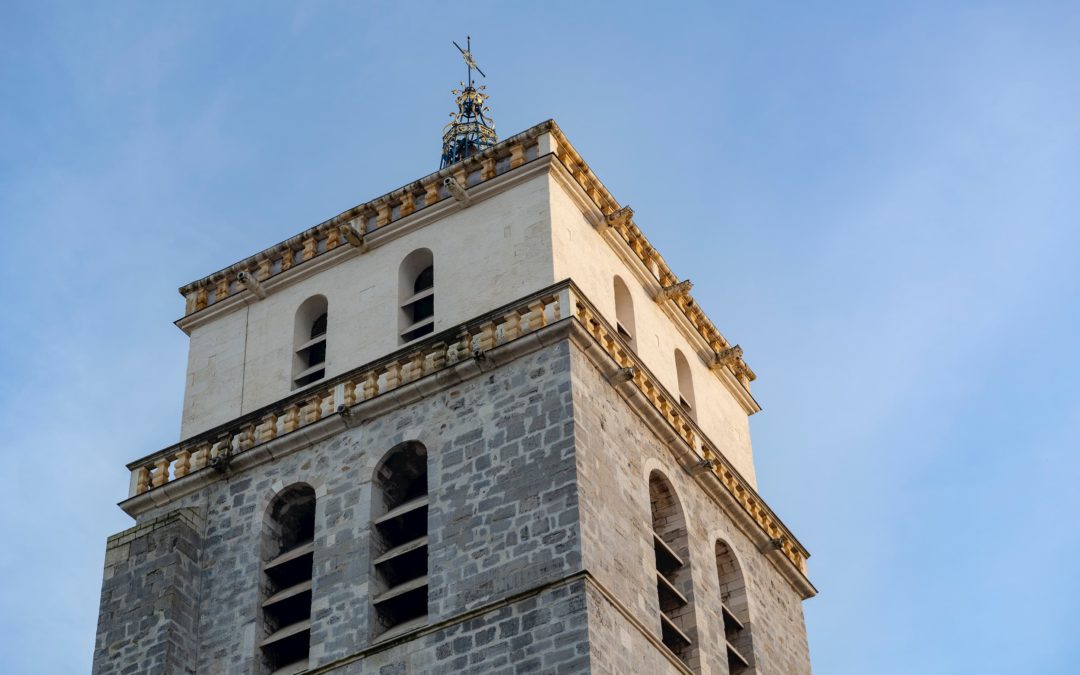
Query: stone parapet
<point x="702" y="454"/>
<point x="217" y="448"/>
<point x="351" y="227"/>
<point x="420" y="369"/>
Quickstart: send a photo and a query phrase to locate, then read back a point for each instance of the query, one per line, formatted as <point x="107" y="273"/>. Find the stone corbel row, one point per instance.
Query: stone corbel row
<point x="215" y="448"/>
<point x="352" y="226"/>
<point x="634" y="375"/>
<point x="620" y="219"/>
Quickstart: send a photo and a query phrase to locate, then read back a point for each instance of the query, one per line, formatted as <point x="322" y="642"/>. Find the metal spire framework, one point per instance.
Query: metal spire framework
<point x="471" y="131"/>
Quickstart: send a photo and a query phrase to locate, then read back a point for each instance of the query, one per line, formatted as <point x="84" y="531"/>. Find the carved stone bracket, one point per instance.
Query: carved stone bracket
<point x="252" y="284"/>
<point x="727" y="357"/>
<point x="674" y="291"/>
<point x="354" y="236"/>
<point x="617" y="219"/>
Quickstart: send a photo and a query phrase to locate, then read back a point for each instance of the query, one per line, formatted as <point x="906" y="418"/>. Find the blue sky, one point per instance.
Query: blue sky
<point x="878" y="201"/>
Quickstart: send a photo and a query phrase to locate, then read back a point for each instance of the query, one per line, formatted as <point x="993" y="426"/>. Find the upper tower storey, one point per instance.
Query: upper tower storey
<point x="448" y="248"/>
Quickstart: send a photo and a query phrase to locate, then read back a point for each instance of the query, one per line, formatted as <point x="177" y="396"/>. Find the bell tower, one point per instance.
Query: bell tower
<point x="476" y="424"/>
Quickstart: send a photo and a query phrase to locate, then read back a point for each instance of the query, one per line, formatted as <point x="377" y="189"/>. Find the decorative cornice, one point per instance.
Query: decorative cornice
<point x="449" y="183"/>
<point x="675" y="291"/>
<point x="688" y="441"/>
<point x="632" y="235"/>
<point x="496" y="338"/>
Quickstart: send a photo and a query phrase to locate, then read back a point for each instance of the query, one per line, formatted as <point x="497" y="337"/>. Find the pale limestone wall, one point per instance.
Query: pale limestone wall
<point x="582" y="254"/>
<point x="616" y="452"/>
<point x="489" y="254"/>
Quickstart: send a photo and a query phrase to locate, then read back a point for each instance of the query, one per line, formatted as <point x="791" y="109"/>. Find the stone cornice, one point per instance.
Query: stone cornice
<point x="371" y="240"/>
<point x="366" y="218"/>
<point x="696" y="453"/>
<point x="416" y="371"/>
<point x="628" y="231"/>
<point x="362" y="222"/>
<point x="738" y="388"/>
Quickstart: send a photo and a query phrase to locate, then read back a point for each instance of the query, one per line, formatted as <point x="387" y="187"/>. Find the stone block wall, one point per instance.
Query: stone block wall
<point x="540" y="549"/>
<point x="544" y="632"/>
<point x="502" y="514"/>
<point x="149" y="597"/>
<point x="616" y="452"/>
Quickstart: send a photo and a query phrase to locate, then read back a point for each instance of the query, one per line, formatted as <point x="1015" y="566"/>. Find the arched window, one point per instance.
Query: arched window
<point x="288" y="546"/>
<point x="399" y="550"/>
<point x="624" y="313"/>
<point x="736" y="610"/>
<point x="674" y="586"/>
<point x="309" y="340"/>
<point x="686" y="384"/>
<point x="416" y="294"/>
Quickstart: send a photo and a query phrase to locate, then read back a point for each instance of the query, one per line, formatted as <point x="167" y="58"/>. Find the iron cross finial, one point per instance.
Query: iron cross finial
<point x="467" y="55"/>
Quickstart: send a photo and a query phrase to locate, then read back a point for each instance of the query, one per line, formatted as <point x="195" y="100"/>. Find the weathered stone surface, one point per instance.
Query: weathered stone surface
<point x="148" y="622"/>
<point x="540" y="556"/>
<point x="616" y="452"/>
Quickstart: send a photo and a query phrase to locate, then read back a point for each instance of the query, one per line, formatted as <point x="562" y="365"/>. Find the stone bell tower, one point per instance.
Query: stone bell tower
<point x="476" y="424"/>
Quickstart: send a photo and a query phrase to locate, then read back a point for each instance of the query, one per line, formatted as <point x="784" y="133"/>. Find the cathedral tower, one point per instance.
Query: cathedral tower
<point x="476" y="424"/>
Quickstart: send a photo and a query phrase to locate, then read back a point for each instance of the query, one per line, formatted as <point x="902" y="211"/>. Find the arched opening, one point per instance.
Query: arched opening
<point x="674" y="584"/>
<point x="287" y="554"/>
<point x="309" y="341"/>
<point x="686" y="384"/>
<point x="735" y="609"/>
<point x="624" y="313"/>
<point x="416" y="295"/>
<point x="399" y="532"/>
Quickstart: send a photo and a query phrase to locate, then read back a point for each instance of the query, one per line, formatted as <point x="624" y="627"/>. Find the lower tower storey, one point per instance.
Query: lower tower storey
<point x="464" y="506"/>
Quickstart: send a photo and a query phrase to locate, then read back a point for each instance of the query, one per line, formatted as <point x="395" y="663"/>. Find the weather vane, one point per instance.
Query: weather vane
<point x="470" y="131"/>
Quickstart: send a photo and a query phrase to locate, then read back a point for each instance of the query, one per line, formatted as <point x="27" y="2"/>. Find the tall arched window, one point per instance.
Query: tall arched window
<point x="416" y="294"/>
<point x="624" y="313"/>
<point x="736" y="610"/>
<point x="674" y="585"/>
<point x="686" y="384"/>
<point x="288" y="547"/>
<point x="399" y="540"/>
<point x="309" y="340"/>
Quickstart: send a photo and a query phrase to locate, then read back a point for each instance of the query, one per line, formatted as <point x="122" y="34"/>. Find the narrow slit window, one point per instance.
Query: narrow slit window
<point x="399" y="540"/>
<point x="674" y="584"/>
<point x="736" y="611"/>
<point x="309" y="351"/>
<point x="286" y="583"/>
<point x="416" y="280"/>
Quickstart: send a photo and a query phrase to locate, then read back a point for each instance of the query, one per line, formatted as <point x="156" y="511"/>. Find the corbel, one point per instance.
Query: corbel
<point x="622" y="376"/>
<point x="728" y="357"/>
<point x="353" y="235"/>
<point x="347" y="416"/>
<point x="252" y="284"/>
<point x="616" y="219"/>
<point x="674" y="291"/>
<point x="774" y="544"/>
<point x="457" y="190"/>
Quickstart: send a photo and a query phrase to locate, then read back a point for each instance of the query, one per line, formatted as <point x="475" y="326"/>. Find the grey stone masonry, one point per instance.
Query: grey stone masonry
<point x="544" y="632"/>
<point x="616" y="453"/>
<point x="502" y="518"/>
<point x="539" y="537"/>
<point x="149" y="597"/>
